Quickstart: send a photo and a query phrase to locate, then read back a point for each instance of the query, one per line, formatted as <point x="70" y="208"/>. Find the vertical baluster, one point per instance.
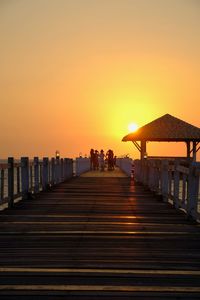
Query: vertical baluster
<point x="10" y="182"/>
<point x="49" y="172"/>
<point x="193" y="190"/>
<point x="53" y="171"/>
<point x="2" y="184"/>
<point x="165" y="179"/>
<point x="61" y="170"/>
<point x="18" y="179"/>
<point x="72" y="169"/>
<point x="170" y="183"/>
<point x="45" y="173"/>
<point x="67" y="168"/>
<point x="40" y="170"/>
<point x="31" y="177"/>
<point x="36" y="175"/>
<point x="176" y="184"/>
<point x="184" y="189"/>
<point x="57" y="170"/>
<point x="25" y="177"/>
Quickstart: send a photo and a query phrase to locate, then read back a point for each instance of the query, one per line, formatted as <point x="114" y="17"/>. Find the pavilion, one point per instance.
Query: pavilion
<point x="166" y="129"/>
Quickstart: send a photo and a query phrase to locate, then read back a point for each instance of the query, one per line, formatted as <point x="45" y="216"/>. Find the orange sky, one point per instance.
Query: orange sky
<point x="75" y="73"/>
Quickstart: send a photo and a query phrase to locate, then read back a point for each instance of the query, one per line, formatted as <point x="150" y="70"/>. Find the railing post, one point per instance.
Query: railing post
<point x="36" y="175"/>
<point x="145" y="172"/>
<point x="193" y="190"/>
<point x="151" y="175"/>
<point x="164" y="179"/>
<point x="138" y="170"/>
<point x="53" y="173"/>
<point x="2" y="184"/>
<point x="25" y="177"/>
<point x="18" y="179"/>
<point x="45" y="173"/>
<point x="77" y="167"/>
<point x="176" y="184"/>
<point x="157" y="176"/>
<point x="71" y="168"/>
<point x="57" y="170"/>
<point x="10" y="182"/>
<point x="65" y="168"/>
<point x="61" y="170"/>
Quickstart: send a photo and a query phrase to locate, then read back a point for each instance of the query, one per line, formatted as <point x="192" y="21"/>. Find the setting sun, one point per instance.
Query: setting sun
<point x="132" y="127"/>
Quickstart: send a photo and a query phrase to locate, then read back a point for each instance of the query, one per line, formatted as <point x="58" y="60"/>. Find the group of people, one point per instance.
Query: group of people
<point x="99" y="160"/>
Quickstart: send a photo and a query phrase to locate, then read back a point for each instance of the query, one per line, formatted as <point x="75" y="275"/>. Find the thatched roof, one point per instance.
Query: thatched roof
<point x="165" y="128"/>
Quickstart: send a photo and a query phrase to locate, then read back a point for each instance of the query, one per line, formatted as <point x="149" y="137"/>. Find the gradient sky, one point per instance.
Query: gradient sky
<point x="75" y="73"/>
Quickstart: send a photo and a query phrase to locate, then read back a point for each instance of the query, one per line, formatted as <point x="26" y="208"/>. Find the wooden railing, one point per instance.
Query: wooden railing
<point x="177" y="181"/>
<point x="82" y="165"/>
<point x="125" y="164"/>
<point x="22" y="179"/>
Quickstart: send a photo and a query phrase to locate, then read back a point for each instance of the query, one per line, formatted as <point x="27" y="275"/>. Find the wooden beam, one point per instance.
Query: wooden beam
<point x="194" y="152"/>
<point x="143" y="149"/>
<point x="137" y="145"/>
<point x="198" y="147"/>
<point x="188" y="149"/>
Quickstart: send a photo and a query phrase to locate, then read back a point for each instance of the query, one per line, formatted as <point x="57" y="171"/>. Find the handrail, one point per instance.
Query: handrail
<point x="126" y="165"/>
<point x="176" y="181"/>
<point x="21" y="180"/>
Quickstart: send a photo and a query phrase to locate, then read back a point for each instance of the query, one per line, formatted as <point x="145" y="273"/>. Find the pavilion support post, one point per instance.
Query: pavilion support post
<point x="188" y="150"/>
<point x="143" y="150"/>
<point x="194" y="151"/>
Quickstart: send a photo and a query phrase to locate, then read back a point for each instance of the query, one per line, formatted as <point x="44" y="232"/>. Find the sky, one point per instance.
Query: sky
<point x="75" y="73"/>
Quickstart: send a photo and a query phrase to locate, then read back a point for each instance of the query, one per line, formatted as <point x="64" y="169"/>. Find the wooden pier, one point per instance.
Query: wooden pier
<point x="98" y="238"/>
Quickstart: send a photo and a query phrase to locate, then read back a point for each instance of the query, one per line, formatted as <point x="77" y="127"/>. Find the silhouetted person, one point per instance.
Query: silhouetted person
<point x="96" y="160"/>
<point x="110" y="156"/>
<point x="101" y="160"/>
<point x="92" y="159"/>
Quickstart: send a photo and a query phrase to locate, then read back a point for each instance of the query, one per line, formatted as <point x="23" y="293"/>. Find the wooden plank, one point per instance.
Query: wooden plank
<point x="98" y="238"/>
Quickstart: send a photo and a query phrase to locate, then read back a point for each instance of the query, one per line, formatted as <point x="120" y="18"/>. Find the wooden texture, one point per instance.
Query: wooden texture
<point x="98" y="238"/>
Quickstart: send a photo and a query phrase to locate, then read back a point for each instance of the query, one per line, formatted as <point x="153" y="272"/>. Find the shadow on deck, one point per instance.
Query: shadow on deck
<point x="98" y="238"/>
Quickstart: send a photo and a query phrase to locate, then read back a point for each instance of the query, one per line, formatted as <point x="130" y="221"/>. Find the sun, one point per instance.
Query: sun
<point x="132" y="127"/>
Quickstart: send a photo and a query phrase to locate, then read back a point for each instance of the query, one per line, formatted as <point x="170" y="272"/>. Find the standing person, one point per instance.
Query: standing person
<point x="112" y="159"/>
<point x="92" y="159"/>
<point x="96" y="160"/>
<point x="101" y="160"/>
<point x="110" y="155"/>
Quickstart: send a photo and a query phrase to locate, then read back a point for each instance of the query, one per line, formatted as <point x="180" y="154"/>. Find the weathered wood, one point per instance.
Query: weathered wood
<point x="2" y="183"/>
<point x="98" y="238"/>
<point x="192" y="193"/>
<point x="10" y="182"/>
<point x="18" y="179"/>
<point x="164" y="179"/>
<point x="57" y="169"/>
<point x="61" y="170"/>
<point x="45" y="173"/>
<point x="65" y="169"/>
<point x="176" y="184"/>
<point x="25" y="177"/>
<point x="36" y="175"/>
<point x="53" y="171"/>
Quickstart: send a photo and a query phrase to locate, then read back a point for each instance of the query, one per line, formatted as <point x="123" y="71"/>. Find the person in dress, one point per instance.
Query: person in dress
<point x="102" y="160"/>
<point x="110" y="156"/>
<point x="92" y="159"/>
<point x="96" y="160"/>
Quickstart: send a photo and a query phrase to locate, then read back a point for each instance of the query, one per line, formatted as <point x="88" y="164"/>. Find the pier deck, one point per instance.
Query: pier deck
<point x="98" y="238"/>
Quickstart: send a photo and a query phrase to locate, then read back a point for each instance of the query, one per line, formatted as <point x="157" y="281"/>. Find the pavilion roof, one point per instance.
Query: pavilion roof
<point x="165" y="128"/>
